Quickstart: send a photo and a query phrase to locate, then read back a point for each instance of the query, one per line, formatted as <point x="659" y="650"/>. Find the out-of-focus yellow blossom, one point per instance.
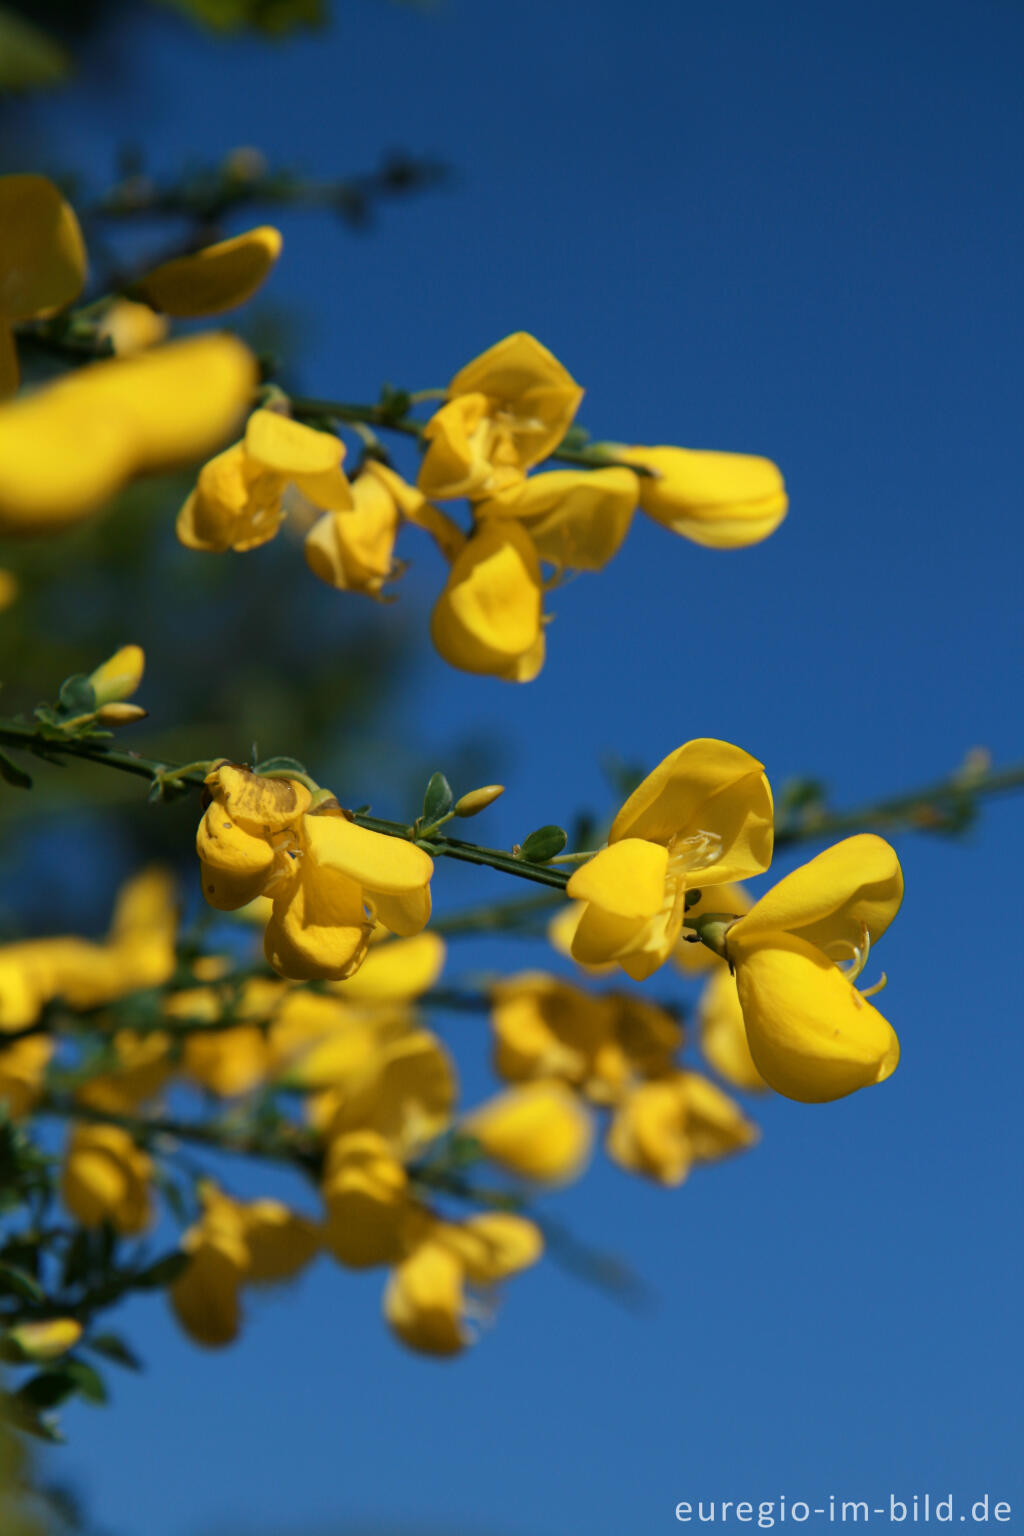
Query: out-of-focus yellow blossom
<point x="562" y="930"/>
<point x="42" y="261"/>
<point x="143" y="1063"/>
<point x="353" y="550"/>
<point x="238" y="502"/>
<point x="404" y="1089"/>
<point x="723" y="1034"/>
<point x="234" y="1243"/>
<point x="9" y="588"/>
<point x="217" y="278"/>
<point x="506" y="411"/>
<point x="703" y="817"/>
<point x="396" y="971"/>
<point x="425" y="1301"/>
<point x="367" y="1200"/>
<point x="576" y="519"/>
<point x="540" y="1131"/>
<point x="722" y="500"/>
<point x="696" y="959"/>
<point x="131" y="327"/>
<point x="139" y="952"/>
<point x="67" y="448"/>
<point x="812" y="1035"/>
<point x="665" y="1125"/>
<point x="488" y="619"/>
<point x="228" y="1062"/>
<point x="48" y="1339"/>
<point x="22" y="1069"/>
<point x="119" y="676"/>
<point x="106" y="1177"/>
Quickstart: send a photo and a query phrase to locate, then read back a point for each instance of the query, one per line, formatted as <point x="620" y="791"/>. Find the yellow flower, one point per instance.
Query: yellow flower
<point x="143" y="1063"/>
<point x="131" y="327"/>
<point x="703" y="817"/>
<point x="67" y="448"/>
<point x="246" y="834"/>
<point x="722" y="500"/>
<point x="48" y="1339"/>
<point x="488" y="618"/>
<point x="234" y="1243"/>
<point x="119" y="676"/>
<point x="696" y="959"/>
<point x="425" y="1301"/>
<point x="217" y="278"/>
<point x="22" y="1069"/>
<point x="353" y="550"/>
<point x="228" y="1062"/>
<point x="139" y="952"/>
<point x="396" y="971"/>
<point x="576" y="519"/>
<point x="723" y="1034"/>
<point x="367" y="1200"/>
<point x="812" y="1035"/>
<point x="507" y="410"/>
<point x="344" y="880"/>
<point x="665" y="1125"/>
<point x="106" y="1177"/>
<point x="9" y="588"/>
<point x="42" y="261"/>
<point x="238" y="502"/>
<point x="540" y="1131"/>
<point x="404" y="1089"/>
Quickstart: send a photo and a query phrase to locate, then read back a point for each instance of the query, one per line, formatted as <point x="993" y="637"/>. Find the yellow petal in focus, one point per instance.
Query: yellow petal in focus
<point x="489" y="614"/>
<point x="626" y="879"/>
<point x="577" y="519"/>
<point x="528" y="391"/>
<point x="812" y="1036"/>
<point x="722" y="500"/>
<point x="217" y="278"/>
<point x="119" y="676"/>
<point x="372" y="859"/>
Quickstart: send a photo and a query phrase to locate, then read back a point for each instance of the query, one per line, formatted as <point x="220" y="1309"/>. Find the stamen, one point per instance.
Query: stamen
<point x="853" y="963"/>
<point x="878" y="987"/>
<point x="688" y="855"/>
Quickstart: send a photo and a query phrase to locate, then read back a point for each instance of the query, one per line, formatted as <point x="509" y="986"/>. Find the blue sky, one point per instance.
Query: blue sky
<point x="795" y="230"/>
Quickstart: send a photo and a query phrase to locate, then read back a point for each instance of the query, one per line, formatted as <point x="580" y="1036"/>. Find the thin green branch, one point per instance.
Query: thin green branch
<point x="943" y="807"/>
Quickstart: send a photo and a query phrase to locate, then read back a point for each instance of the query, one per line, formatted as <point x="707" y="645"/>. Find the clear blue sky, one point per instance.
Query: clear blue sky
<point x="793" y="229"/>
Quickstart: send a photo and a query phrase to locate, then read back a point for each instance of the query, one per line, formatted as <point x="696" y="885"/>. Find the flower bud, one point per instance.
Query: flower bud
<point x="120" y="714"/>
<point x="119" y="676"/>
<point x="46" y="1340"/>
<point x="477" y="800"/>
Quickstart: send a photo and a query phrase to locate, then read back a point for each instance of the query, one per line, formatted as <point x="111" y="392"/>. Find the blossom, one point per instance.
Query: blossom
<point x="138" y="952"/>
<point x="42" y="261"/>
<point x="506" y="411"/>
<point x="576" y="519"/>
<point x="703" y="817"/>
<point x="666" y="1124"/>
<point x="540" y="1131"/>
<point x="812" y="1035"/>
<point x="238" y="502"/>
<point x="214" y="279"/>
<point x="119" y="676"/>
<point x="723" y="1034"/>
<point x="68" y="447"/>
<point x="47" y="1339"/>
<point x="425" y="1302"/>
<point x="234" y="1243"/>
<point x="353" y="550"/>
<point x="488" y="618"/>
<point x="107" y="1178"/>
<point x="722" y="500"/>
<point x="23" y="1066"/>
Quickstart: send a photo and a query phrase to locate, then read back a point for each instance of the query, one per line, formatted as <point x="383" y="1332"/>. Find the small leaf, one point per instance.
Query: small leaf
<point x="48" y="1389"/>
<point x="28" y="1420"/>
<point x="112" y="1347"/>
<point x="543" y="844"/>
<point x="87" y="1380"/>
<point x="279" y="765"/>
<point x="12" y="774"/>
<point x="437" y="799"/>
<point x="77" y="695"/>
<point x="21" y="1283"/>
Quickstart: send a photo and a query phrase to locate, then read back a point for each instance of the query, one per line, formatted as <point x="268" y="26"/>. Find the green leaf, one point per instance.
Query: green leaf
<point x="438" y="798"/>
<point x="279" y="765"/>
<point x="47" y="1390"/>
<point x="87" y="1380"/>
<point x="28" y="1420"/>
<point x="20" y="1283"/>
<point x="543" y="844"/>
<point x="29" y="58"/>
<point x="164" y="1272"/>
<point x="112" y="1347"/>
<point x="77" y="696"/>
<point x="10" y="772"/>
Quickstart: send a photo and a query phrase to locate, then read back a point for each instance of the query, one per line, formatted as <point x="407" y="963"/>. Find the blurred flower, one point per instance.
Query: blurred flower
<point x="42" y="261"/>
<point x="22" y="1070"/>
<point x="217" y="278"/>
<point x="488" y="618"/>
<point x="540" y="1131"/>
<point x="664" y="1125"/>
<point x="131" y="327"/>
<point x="106" y="1178"/>
<point x="576" y="519"/>
<point x="353" y="550"/>
<point x="723" y="1034"/>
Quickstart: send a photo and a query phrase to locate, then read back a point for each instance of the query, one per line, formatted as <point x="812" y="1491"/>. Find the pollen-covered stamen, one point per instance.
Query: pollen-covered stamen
<point x="688" y="855"/>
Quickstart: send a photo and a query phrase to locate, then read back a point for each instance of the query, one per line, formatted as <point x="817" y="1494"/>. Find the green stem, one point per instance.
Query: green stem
<point x="937" y="807"/>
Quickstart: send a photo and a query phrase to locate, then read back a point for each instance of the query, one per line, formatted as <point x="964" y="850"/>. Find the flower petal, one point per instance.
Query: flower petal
<point x="489" y="614"/>
<point x="424" y="1302"/>
<point x="235" y="863"/>
<point x="539" y="1131"/>
<point x="577" y="519"/>
<point x="855" y="884"/>
<point x="388" y="865"/>
<point x="42" y="256"/>
<point x="722" y="500"/>
<point x="216" y="278"/>
<point x="626" y="879"/>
